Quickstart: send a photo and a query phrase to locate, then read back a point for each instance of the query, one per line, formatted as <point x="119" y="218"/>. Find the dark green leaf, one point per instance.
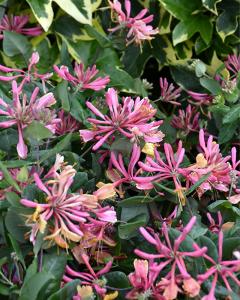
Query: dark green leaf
<point x="37" y="131"/>
<point x="135" y="200"/>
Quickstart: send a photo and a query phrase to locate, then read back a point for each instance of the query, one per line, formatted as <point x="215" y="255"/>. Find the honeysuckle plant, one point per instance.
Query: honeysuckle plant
<point x="119" y="150"/>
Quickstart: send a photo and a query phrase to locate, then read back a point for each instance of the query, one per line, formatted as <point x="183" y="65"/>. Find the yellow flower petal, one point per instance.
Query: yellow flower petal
<point x="201" y="162"/>
<point x="149" y="149"/>
<point x="111" y="296"/>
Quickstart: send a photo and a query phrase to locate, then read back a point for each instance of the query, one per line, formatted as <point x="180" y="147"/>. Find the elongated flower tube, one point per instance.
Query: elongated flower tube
<point x="83" y="80"/>
<point x="21" y="113"/>
<point x="17" y="24"/>
<point x="164" y="169"/>
<point x="211" y="162"/>
<point x="169" y="253"/>
<point x="187" y="120"/>
<point x="138" y="30"/>
<point x="64" y="212"/>
<point x="122" y="174"/>
<point x="131" y="119"/>
<point x="29" y="75"/>
<point x="89" y="278"/>
<point x="224" y="269"/>
<point x="169" y="93"/>
<point x="233" y="63"/>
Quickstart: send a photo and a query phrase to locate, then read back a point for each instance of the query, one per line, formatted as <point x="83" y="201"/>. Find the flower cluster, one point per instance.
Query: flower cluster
<point x="65" y="215"/>
<point x="173" y="262"/>
<point x="129" y="119"/>
<point x="138" y="30"/>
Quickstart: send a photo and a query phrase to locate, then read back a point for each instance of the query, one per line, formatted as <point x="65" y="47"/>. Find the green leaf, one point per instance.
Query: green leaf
<point x="67" y="292"/>
<point x="211" y="5"/>
<point x="211" y="85"/>
<point x="63" y="144"/>
<point x="135" y="200"/>
<point x="227" y="22"/>
<point x="37" y="283"/>
<point x="15" y="44"/>
<point x="129" y="230"/>
<point x="13" y="199"/>
<point x="37" y="131"/>
<point x="200" y="68"/>
<point x="181" y="9"/>
<point x="43" y="12"/>
<point x="184" y="75"/>
<point x="226" y="132"/>
<point x="122" y="145"/>
<point x="187" y="28"/>
<point x="8" y="177"/>
<point x="207" y="242"/>
<point x="54" y="265"/>
<point x="233" y="115"/>
<point x="62" y="94"/>
<point x="229" y="245"/>
<point x="80" y="10"/>
<point x="15" y="224"/>
<point x="117" y="279"/>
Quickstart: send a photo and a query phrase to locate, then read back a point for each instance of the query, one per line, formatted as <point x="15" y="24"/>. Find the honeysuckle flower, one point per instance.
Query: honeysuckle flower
<point x="138" y="30"/>
<point x="165" y="170"/>
<point x="17" y="24"/>
<point x="224" y="269"/>
<point x="28" y="75"/>
<point x="200" y="98"/>
<point x="191" y="287"/>
<point x="89" y="278"/>
<point x="143" y="279"/>
<point x="130" y="119"/>
<point x="215" y="227"/>
<point x="233" y="63"/>
<point x="170" y="253"/>
<point x="83" y="79"/>
<point x="67" y="212"/>
<point x="68" y="124"/>
<point x="22" y="112"/>
<point x="122" y="174"/>
<point x="168" y="92"/>
<point x="210" y="162"/>
<point x="187" y="120"/>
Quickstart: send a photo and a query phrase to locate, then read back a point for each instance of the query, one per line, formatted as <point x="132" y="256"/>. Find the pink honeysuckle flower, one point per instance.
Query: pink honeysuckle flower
<point x="28" y="75"/>
<point x="168" y="92"/>
<point x="210" y="162"/>
<point x="130" y="119"/>
<point x="126" y="175"/>
<point x="200" y="98"/>
<point x="215" y="227"/>
<point x="68" y="124"/>
<point x="83" y="80"/>
<point x="143" y="279"/>
<point x="165" y="170"/>
<point x="16" y="24"/>
<point x="89" y="278"/>
<point x="67" y="211"/>
<point x="22" y="113"/>
<point x="233" y="63"/>
<point x="187" y="120"/>
<point x="223" y="269"/>
<point x="170" y="254"/>
<point x="138" y="30"/>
